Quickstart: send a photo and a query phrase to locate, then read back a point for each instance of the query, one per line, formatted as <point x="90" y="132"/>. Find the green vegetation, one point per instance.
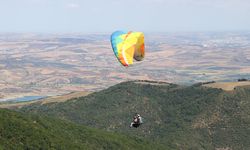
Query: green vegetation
<point x="179" y="117"/>
<point x="23" y="131"/>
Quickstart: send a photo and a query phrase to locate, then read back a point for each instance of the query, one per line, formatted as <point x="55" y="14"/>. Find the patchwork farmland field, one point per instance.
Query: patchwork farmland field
<point x="48" y="65"/>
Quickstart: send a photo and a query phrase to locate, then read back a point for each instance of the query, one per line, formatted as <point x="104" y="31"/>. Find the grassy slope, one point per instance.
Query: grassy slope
<point x="192" y="117"/>
<point x="22" y="131"/>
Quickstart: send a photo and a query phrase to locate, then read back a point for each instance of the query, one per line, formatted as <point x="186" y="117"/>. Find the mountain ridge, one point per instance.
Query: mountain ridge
<point x="180" y="117"/>
<point x="177" y="117"/>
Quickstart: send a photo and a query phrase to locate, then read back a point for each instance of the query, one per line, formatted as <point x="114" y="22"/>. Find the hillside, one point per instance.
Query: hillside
<point x="23" y="131"/>
<point x="180" y="117"/>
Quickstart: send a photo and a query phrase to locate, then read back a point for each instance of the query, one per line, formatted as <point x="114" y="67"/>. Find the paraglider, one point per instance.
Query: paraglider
<point x="137" y="121"/>
<point x="128" y="46"/>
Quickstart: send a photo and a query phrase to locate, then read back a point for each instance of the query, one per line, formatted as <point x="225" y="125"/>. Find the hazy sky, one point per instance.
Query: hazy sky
<point x="109" y="15"/>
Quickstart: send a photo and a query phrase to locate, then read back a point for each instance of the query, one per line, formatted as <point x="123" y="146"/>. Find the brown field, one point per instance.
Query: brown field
<point x="227" y="86"/>
<point x="50" y="65"/>
<point x="52" y="99"/>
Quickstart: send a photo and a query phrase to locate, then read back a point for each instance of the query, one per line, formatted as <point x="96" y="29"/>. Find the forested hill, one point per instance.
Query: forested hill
<point x="19" y="131"/>
<point x="180" y="117"/>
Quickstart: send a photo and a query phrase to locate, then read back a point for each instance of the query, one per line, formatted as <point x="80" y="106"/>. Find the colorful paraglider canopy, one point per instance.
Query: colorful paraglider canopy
<point x="128" y="46"/>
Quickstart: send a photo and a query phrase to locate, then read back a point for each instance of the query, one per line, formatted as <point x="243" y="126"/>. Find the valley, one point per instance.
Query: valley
<point x="57" y="64"/>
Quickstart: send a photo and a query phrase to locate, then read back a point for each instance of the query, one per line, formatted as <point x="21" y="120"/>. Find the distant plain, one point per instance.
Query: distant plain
<point x="56" y="64"/>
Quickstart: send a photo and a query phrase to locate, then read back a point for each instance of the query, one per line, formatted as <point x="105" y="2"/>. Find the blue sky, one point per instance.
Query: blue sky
<point x="62" y="16"/>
